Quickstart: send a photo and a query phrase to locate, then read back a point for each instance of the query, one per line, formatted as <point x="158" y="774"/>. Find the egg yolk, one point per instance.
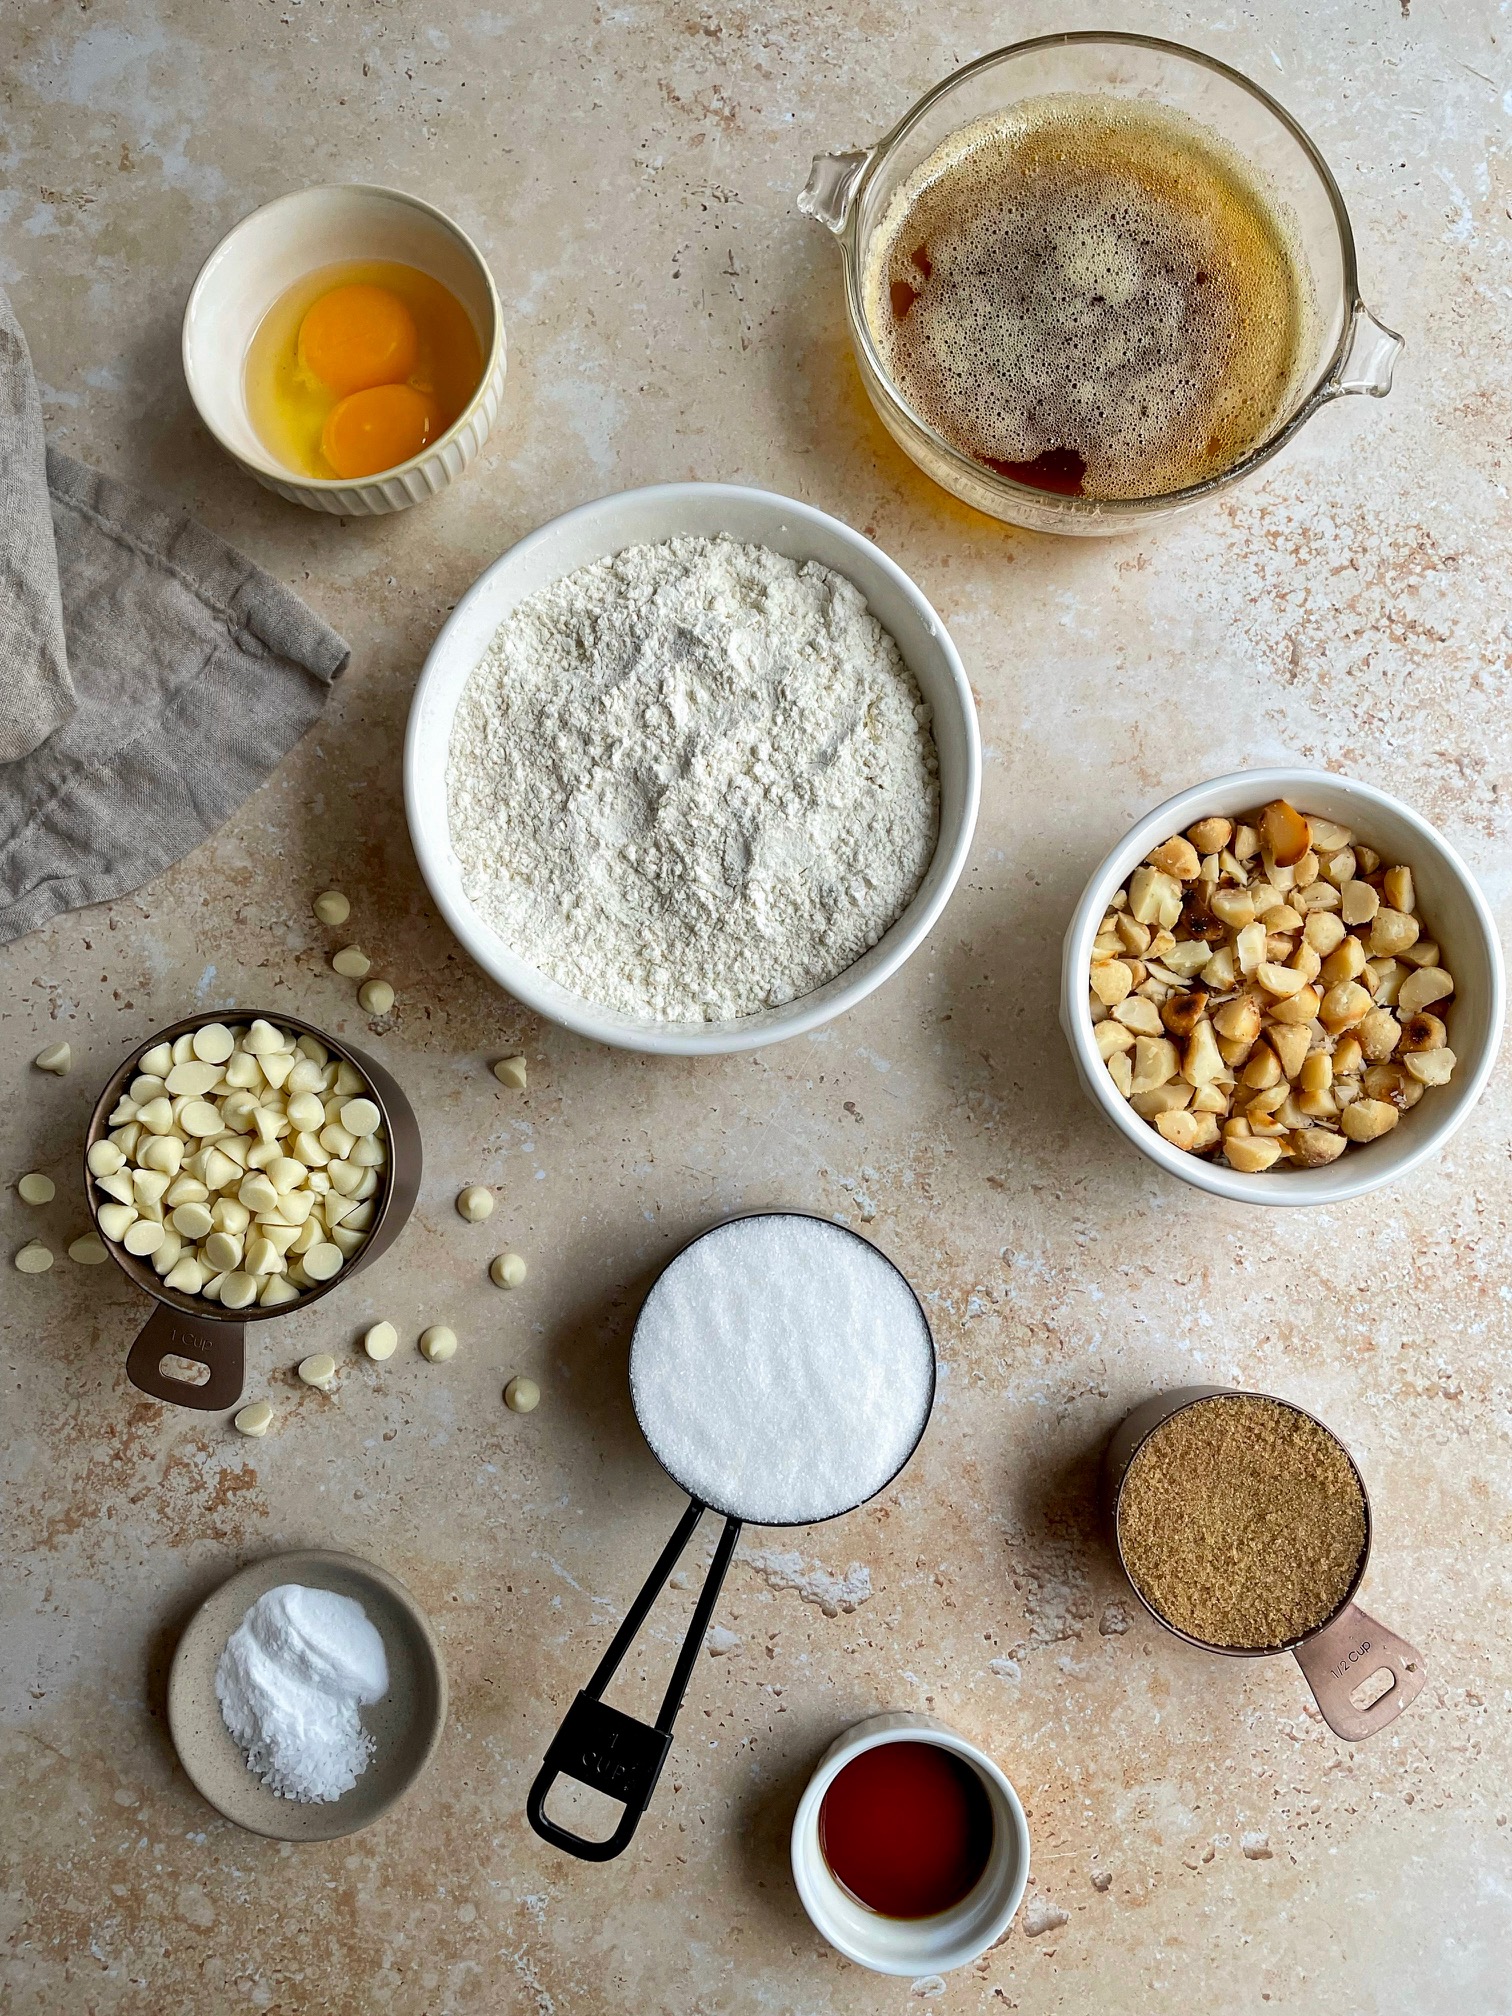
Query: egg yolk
<point x="376" y="428"/>
<point x="358" y="336"/>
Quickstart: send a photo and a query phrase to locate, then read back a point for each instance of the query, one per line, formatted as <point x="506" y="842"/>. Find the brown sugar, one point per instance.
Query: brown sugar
<point x="1242" y="1522"/>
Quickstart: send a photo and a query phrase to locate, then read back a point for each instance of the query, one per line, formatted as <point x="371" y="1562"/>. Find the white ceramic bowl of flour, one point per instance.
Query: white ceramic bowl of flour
<point x="594" y="532"/>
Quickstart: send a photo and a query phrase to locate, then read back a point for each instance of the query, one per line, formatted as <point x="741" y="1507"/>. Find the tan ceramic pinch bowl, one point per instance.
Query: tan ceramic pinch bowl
<point x="263" y="256"/>
<point x="405" y="1725"/>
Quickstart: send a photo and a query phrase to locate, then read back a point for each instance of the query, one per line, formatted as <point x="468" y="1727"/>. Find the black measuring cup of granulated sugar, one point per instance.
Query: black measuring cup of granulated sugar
<point x="189" y="1327"/>
<point x="783" y="1373"/>
<point x="1362" y="1676"/>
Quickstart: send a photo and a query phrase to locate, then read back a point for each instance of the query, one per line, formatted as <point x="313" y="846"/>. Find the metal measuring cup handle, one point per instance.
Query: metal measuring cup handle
<point x="601" y="1746"/>
<point x="1350" y="1648"/>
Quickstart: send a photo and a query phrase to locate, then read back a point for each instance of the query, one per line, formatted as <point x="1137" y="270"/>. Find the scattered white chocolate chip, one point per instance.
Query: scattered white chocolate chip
<point x="331" y="907"/>
<point x="506" y="1270"/>
<point x="36" y="1189"/>
<point x="510" y="1071"/>
<point x="376" y="996"/>
<point x="475" y="1203"/>
<point x="255" y="1419"/>
<point x="35" y="1258"/>
<point x="351" y="962"/>
<point x="380" y="1341"/>
<point x="318" y="1370"/>
<point x="522" y="1396"/>
<point x="88" y="1250"/>
<point x="56" y="1058"/>
<point x="438" y="1343"/>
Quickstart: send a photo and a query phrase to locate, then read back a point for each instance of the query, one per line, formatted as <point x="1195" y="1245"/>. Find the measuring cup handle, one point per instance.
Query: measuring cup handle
<point x="1349" y="1651"/>
<point x="218" y="1346"/>
<point x="600" y="1746"/>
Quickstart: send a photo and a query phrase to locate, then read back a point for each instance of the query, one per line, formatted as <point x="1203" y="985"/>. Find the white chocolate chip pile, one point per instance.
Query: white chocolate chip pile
<point x="244" y="1162"/>
<point x="1261" y="989"/>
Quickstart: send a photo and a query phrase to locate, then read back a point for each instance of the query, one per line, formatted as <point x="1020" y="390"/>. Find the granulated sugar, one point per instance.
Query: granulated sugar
<point x="290" y="1682"/>
<point x="692" y="781"/>
<point x="782" y="1369"/>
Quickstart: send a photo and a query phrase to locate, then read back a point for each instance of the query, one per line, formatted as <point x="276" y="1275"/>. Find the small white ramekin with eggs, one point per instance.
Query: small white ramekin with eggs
<point x="345" y="345"/>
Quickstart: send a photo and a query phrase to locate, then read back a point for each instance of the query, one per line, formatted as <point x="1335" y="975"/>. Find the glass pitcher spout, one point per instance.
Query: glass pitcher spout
<point x="831" y="186"/>
<point x="1370" y="358"/>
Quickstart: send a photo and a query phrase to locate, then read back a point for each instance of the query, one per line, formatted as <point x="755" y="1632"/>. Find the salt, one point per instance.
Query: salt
<point x="782" y="1369"/>
<point x="290" y="1682"/>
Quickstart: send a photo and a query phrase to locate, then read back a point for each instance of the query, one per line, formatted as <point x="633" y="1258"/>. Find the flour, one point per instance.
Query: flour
<point x="290" y="1682"/>
<point x="692" y="781"/>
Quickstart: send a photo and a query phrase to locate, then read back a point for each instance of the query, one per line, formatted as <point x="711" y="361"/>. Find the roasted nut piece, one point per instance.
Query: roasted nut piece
<point x="1423" y="1032"/>
<point x="1210" y="836"/>
<point x="1291" y="1042"/>
<point x="1359" y="902"/>
<point x="1164" y="1099"/>
<point x="1314" y="1146"/>
<point x="1263" y="1070"/>
<point x="1250" y="1154"/>
<point x="1368" y="1118"/>
<point x="1140" y="1015"/>
<point x="1379" y="1032"/>
<point x="1181" y="1013"/>
<point x="1396" y="887"/>
<point x="1420" y="989"/>
<point x="1155" y="1061"/>
<point x="1430" y="1067"/>
<point x="1239" y="1019"/>
<point x="1112" y="979"/>
<point x="1392" y="932"/>
<point x="1302" y="1006"/>
<point x="1389" y="1082"/>
<point x="1284" y="833"/>
<point x="1177" y="857"/>
<point x="1343" y="1006"/>
<point x="1111" y="1037"/>
<point x="1202" y="1064"/>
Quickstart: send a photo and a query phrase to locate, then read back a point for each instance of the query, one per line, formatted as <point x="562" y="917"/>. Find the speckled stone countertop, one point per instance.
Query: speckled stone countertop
<point x="1199" y="1838"/>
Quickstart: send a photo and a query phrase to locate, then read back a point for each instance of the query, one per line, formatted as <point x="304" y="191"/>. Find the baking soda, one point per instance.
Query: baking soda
<point x="290" y="1682"/>
<point x="782" y="1369"/>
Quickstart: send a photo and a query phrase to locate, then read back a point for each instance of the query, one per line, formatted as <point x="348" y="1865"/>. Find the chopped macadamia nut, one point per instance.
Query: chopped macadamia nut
<point x="1259" y="991"/>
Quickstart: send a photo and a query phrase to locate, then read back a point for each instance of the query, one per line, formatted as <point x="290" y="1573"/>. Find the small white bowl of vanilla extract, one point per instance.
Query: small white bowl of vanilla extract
<point x="345" y="344"/>
<point x="910" y="1849"/>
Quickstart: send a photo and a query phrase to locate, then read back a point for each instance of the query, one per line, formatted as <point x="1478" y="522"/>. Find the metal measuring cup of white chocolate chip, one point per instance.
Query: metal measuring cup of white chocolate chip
<point x="238" y="1169"/>
<point x="1263" y="989"/>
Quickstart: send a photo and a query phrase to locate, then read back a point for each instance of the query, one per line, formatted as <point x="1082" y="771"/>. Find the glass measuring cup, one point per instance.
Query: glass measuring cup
<point x="1351" y="351"/>
<point x="602" y="1747"/>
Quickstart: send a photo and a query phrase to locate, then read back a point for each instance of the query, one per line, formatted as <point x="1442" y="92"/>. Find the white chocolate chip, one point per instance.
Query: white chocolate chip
<point x="318" y="1370"/>
<point x="312" y="1047"/>
<point x="87" y="1250"/>
<point x="143" y="1238"/>
<point x="376" y="996"/>
<point x="380" y="1341"/>
<point x="193" y="1221"/>
<point x="262" y="1039"/>
<point x="194" y="1079"/>
<point x="438" y="1343"/>
<point x="255" y="1419"/>
<point x="351" y="962"/>
<point x="213" y="1044"/>
<point x="323" y="1262"/>
<point x="36" y="1189"/>
<point x="510" y="1071"/>
<point x="331" y="907"/>
<point x="276" y="1290"/>
<point x="522" y="1396"/>
<point x="475" y="1203"/>
<point x="223" y="1251"/>
<point x="34" y="1258"/>
<point x="305" y="1111"/>
<point x="57" y="1057"/>
<point x="116" y="1219"/>
<point x="186" y="1274"/>
<point x="360" y="1117"/>
<point x="105" y="1158"/>
<point x="237" y="1291"/>
<point x="158" y="1061"/>
<point x="506" y="1270"/>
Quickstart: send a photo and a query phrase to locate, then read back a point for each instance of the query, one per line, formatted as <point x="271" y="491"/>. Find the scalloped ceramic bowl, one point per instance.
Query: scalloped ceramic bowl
<point x="1448" y="897"/>
<point x="646" y="517"/>
<point x="265" y="254"/>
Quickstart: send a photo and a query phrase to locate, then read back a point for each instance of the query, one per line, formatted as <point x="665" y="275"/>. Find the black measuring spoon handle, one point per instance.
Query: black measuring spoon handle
<point x="601" y="1746"/>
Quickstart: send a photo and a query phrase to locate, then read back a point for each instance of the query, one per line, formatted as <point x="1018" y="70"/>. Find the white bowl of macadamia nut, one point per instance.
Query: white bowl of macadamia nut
<point x="1284" y="987"/>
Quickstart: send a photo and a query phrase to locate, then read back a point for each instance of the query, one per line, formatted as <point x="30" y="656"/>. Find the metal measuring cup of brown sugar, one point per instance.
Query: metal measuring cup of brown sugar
<point x="1337" y="1657"/>
<point x="188" y="1327"/>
